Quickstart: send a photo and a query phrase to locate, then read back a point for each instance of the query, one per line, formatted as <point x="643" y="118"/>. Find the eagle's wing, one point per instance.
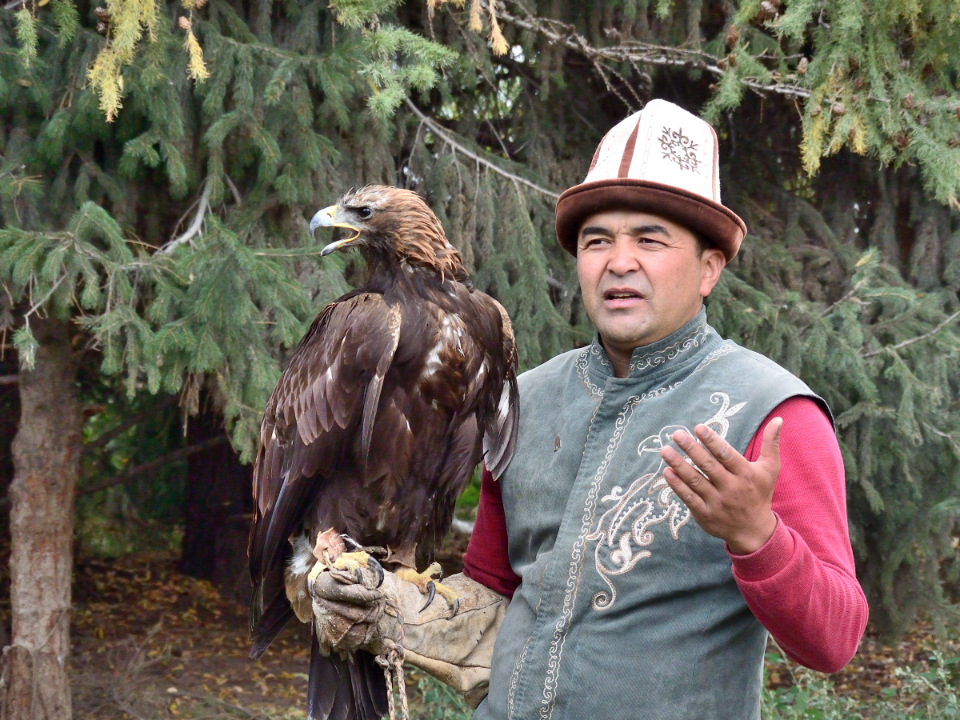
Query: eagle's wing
<point x="327" y="396"/>
<point x="500" y="426"/>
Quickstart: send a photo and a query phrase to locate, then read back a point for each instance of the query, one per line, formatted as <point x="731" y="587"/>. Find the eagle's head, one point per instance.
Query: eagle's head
<point x="392" y="225"/>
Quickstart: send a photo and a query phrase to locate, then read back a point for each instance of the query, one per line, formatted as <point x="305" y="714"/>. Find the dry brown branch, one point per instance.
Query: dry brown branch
<point x="146" y="467"/>
<point x="642" y="53"/>
<point x="448" y="138"/>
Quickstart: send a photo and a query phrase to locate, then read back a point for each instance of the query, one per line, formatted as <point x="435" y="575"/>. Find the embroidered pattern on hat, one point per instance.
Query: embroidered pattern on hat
<point x="679" y="149"/>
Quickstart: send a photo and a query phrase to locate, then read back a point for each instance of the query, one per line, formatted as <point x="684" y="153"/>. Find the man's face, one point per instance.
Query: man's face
<point x="641" y="278"/>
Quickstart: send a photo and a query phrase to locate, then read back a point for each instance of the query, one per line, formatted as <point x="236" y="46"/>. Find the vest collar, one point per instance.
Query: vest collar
<point x="676" y="348"/>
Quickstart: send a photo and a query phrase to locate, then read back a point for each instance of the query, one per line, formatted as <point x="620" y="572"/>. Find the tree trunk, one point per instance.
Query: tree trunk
<point x="217" y="512"/>
<point x="46" y="459"/>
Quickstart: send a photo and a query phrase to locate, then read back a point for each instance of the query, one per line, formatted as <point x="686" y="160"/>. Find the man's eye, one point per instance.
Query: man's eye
<point x="364" y="213"/>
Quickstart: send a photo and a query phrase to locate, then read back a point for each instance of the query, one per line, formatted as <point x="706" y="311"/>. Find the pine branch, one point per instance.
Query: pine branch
<point x="446" y="137"/>
<point x="911" y="341"/>
<point x="634" y="51"/>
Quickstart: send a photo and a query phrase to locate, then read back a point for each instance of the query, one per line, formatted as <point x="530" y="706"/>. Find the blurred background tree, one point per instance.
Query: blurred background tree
<point x="159" y="161"/>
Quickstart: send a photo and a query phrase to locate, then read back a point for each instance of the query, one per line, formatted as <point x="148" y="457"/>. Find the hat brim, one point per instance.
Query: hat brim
<point x="717" y="223"/>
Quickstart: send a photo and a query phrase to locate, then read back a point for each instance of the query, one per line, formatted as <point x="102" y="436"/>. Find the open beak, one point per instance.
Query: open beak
<point x="328" y="218"/>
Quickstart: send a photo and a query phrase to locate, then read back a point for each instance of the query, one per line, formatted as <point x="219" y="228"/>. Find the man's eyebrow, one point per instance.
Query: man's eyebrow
<point x="651" y="229"/>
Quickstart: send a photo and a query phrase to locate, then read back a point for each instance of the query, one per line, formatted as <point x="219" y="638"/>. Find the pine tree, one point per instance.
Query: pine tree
<point x="158" y="162"/>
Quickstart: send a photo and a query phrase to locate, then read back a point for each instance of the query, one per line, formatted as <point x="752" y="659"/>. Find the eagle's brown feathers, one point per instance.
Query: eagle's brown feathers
<point x="395" y="394"/>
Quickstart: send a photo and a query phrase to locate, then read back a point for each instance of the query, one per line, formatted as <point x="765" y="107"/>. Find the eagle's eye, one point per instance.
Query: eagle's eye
<point x="364" y="213"/>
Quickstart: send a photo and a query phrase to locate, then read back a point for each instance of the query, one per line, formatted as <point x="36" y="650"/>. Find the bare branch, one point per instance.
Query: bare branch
<point x="634" y="51"/>
<point x="147" y="467"/>
<point x="449" y="139"/>
<point x="913" y="340"/>
<point x="202" y="206"/>
<point x="129" y="421"/>
<point x="556" y="284"/>
<point x="144" y="468"/>
<point x="41" y="301"/>
<point x="9" y="379"/>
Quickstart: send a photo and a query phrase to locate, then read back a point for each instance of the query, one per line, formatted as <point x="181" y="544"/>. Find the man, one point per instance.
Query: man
<point x="672" y="498"/>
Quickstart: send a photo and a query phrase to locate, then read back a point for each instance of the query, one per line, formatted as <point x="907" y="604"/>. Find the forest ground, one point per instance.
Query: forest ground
<point x="150" y="642"/>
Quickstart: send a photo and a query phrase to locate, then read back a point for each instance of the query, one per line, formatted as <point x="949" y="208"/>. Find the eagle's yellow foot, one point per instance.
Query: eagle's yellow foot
<point x="355" y="562"/>
<point x="330" y="551"/>
<point x="428" y="584"/>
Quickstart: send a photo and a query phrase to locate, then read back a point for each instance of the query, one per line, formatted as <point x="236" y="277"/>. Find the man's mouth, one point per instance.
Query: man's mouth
<point x="621" y="294"/>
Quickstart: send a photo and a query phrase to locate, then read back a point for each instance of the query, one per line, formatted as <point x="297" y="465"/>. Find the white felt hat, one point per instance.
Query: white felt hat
<point x="661" y="160"/>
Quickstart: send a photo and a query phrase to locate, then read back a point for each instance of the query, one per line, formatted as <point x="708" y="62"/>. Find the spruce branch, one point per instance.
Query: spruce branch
<point x="911" y="341"/>
<point x="448" y="138"/>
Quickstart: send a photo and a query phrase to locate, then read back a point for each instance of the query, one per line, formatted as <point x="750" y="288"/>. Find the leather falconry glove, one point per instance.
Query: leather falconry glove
<point x="351" y="615"/>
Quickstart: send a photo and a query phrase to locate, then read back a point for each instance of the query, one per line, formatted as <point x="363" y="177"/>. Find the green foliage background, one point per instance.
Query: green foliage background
<point x="175" y="235"/>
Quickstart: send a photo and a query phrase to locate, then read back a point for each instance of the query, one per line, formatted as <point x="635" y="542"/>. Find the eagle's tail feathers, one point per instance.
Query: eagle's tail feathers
<point x="369" y="687"/>
<point x="345" y="689"/>
<point x="271" y="621"/>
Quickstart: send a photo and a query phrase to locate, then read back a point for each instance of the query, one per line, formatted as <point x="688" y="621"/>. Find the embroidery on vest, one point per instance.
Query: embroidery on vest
<point x="512" y="692"/>
<point x="626" y="530"/>
<point x="555" y="651"/>
<point x="571" y="585"/>
<point x="583" y="369"/>
<point x="679" y="149"/>
<point x="643" y="362"/>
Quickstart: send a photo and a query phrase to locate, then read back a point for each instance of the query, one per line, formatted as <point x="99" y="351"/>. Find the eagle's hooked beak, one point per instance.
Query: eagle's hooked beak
<point x="327" y="218"/>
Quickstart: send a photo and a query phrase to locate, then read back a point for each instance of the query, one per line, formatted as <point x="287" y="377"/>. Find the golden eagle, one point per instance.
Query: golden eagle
<point x="395" y="394"/>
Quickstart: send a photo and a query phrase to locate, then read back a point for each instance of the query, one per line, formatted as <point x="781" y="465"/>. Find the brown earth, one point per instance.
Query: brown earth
<point x="149" y="642"/>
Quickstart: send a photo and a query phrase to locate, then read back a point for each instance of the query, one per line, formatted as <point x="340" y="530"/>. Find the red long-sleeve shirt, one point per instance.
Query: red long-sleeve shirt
<point x="800" y="585"/>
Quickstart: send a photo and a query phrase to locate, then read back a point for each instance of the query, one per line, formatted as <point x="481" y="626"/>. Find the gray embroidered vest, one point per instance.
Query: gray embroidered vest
<point x="627" y="608"/>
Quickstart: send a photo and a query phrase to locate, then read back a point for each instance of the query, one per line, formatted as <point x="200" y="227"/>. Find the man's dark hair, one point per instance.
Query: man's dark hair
<point x="703" y="242"/>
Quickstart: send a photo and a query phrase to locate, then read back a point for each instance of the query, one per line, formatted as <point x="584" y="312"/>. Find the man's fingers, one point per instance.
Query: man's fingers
<point x="692" y="481"/>
<point x="770" y="445"/>
<point x="687" y="494"/>
<point x="719" y="448"/>
<point x="712" y="455"/>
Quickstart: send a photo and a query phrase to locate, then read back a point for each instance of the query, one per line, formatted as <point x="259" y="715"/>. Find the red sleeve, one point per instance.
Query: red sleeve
<point x="486" y="559"/>
<point x="801" y="585"/>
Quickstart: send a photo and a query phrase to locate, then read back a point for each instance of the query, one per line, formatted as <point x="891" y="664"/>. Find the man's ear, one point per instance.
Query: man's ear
<point x="712" y="262"/>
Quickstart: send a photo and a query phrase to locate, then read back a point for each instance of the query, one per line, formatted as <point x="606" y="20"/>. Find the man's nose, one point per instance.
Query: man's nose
<point x="623" y="257"/>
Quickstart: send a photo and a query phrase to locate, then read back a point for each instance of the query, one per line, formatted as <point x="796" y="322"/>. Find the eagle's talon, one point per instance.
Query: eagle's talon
<point x="375" y="565"/>
<point x="355" y="562"/>
<point x="351" y="542"/>
<point x="431" y="594"/>
<point x="428" y="583"/>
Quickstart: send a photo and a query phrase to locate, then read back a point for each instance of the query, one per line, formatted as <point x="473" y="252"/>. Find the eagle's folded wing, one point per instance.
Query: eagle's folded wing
<point x="328" y="394"/>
